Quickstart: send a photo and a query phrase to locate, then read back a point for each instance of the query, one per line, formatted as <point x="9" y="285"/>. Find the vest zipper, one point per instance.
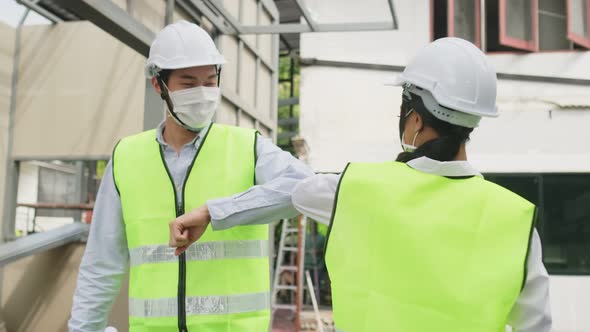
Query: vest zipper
<point x="182" y="258"/>
<point x="181" y="286"/>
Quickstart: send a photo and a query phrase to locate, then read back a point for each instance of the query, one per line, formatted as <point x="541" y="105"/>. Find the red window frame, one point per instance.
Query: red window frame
<point x="572" y="36"/>
<point x="451" y="20"/>
<point x="527" y="45"/>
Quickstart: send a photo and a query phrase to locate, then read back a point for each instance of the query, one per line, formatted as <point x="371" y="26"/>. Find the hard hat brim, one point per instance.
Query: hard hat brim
<point x="395" y="81"/>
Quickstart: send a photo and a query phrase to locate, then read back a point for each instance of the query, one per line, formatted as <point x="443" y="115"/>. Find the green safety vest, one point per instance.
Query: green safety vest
<point x="222" y="281"/>
<point x="414" y="252"/>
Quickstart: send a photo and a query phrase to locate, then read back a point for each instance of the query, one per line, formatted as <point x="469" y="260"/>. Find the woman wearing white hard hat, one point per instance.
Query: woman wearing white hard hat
<point x="424" y="243"/>
<point x="221" y="284"/>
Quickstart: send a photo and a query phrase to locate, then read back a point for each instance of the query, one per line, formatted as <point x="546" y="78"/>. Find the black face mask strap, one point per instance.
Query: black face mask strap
<point x="218" y="76"/>
<point x="166" y="97"/>
<point x="164" y="93"/>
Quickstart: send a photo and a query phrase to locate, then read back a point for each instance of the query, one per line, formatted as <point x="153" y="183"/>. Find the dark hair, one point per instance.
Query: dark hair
<point x="165" y="75"/>
<point x="443" y="148"/>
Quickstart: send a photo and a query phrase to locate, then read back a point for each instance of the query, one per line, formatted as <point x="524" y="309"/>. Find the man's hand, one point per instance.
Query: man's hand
<point x="188" y="228"/>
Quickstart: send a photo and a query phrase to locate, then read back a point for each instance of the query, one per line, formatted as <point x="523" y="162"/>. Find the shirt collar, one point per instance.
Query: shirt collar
<point x="162" y="126"/>
<point x="444" y="168"/>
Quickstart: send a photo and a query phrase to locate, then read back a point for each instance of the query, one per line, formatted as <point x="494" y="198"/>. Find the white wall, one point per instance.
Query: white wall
<point x="385" y="47"/>
<point x="533" y="134"/>
<point x="570" y="303"/>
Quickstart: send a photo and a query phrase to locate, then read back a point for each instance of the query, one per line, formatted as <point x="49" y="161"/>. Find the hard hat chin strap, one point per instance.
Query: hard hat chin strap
<point x="166" y="97"/>
<point x="164" y="92"/>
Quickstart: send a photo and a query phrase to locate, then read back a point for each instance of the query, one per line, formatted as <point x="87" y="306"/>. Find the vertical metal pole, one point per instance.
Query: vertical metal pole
<point x="169" y="12"/>
<point x="314" y="235"/>
<point x="239" y="64"/>
<point x="274" y="96"/>
<point x="301" y="221"/>
<point x="153" y="109"/>
<point x="130" y="7"/>
<point x="482" y="22"/>
<point x="258" y="14"/>
<point x="11" y="177"/>
<point x="256" y="84"/>
<point x="291" y="89"/>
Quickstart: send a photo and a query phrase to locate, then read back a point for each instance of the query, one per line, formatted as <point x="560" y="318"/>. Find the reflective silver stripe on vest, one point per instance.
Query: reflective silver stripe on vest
<point x="200" y="305"/>
<point x="339" y="330"/>
<point x="200" y="251"/>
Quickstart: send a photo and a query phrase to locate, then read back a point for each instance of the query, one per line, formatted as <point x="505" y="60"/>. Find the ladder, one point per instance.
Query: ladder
<point x="292" y="229"/>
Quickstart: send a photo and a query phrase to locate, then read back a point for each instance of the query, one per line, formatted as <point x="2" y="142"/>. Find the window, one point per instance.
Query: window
<point x="457" y="18"/>
<point x="564" y="216"/>
<point x="55" y="193"/>
<point x="514" y="25"/>
<point x="553" y="25"/>
<point x="578" y="22"/>
<point x="518" y="24"/>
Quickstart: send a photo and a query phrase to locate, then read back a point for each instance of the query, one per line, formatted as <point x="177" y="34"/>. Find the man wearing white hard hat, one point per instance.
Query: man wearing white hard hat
<point x="443" y="249"/>
<point x="187" y="169"/>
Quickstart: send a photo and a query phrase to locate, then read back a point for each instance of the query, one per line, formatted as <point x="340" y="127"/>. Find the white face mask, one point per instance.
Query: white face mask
<point x="409" y="147"/>
<point x="195" y="107"/>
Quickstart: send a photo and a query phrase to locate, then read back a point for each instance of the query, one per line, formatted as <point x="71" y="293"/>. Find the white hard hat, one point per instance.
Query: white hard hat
<point x="182" y="45"/>
<point x="458" y="76"/>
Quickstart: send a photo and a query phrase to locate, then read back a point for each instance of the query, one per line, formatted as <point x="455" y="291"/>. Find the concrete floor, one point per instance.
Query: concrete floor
<point x="284" y="321"/>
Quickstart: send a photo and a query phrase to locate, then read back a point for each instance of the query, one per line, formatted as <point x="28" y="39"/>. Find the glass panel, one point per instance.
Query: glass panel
<point x="566" y="230"/>
<point x="578" y="17"/>
<point x="465" y="19"/>
<point x="518" y="19"/>
<point x="564" y="221"/>
<point x="526" y="186"/>
<point x="552" y="25"/>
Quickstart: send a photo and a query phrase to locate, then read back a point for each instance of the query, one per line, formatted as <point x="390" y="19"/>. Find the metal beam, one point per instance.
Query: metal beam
<point x="501" y="76"/>
<point x="289" y="121"/>
<point x="40" y="242"/>
<point x="240" y="103"/>
<point x="393" y="16"/>
<point x="344" y="64"/>
<point x="254" y="50"/>
<point x="189" y="10"/>
<point x="113" y="20"/>
<point x="271" y="7"/>
<point x="211" y="16"/>
<point x="12" y="167"/>
<point x="169" y="12"/>
<point x="286" y="135"/>
<point x="288" y="102"/>
<point x="61" y="157"/>
<point x="31" y="4"/>
<point x="303" y="28"/>
<point x="60" y="206"/>
<point x="307" y="15"/>
<point x="232" y="21"/>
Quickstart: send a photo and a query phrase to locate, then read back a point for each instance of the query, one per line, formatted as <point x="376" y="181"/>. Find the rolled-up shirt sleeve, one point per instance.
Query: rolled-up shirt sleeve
<point x="277" y="174"/>
<point x="314" y="196"/>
